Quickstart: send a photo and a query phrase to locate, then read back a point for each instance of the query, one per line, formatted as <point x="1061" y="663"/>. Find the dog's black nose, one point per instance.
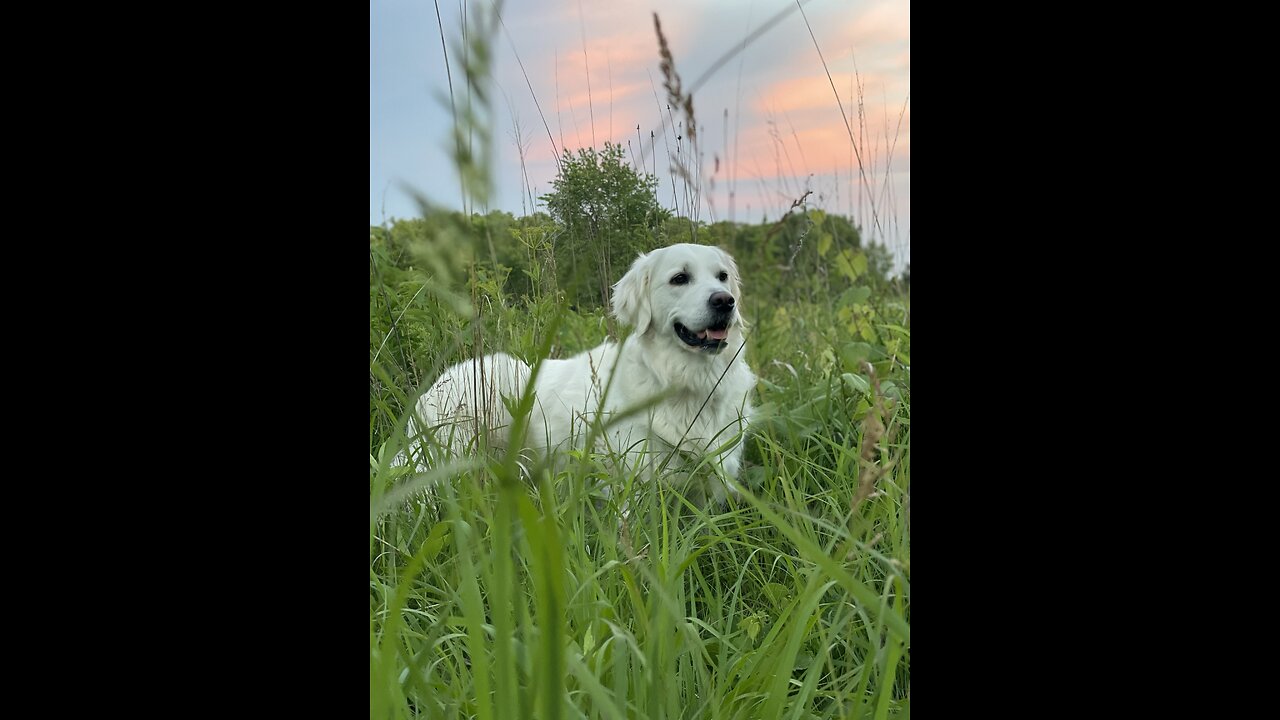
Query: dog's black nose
<point x="721" y="301"/>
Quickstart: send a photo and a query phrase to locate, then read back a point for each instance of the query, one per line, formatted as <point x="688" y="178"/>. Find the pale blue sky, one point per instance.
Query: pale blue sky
<point x="786" y="121"/>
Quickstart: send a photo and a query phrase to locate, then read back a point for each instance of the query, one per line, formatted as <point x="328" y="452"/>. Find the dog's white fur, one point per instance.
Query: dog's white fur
<point x="703" y="398"/>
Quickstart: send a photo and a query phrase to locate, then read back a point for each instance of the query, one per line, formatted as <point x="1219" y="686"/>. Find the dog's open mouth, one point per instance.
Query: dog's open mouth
<point x="712" y="339"/>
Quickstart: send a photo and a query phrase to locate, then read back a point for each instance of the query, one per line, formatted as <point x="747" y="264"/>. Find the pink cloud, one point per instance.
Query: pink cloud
<point x="790" y="123"/>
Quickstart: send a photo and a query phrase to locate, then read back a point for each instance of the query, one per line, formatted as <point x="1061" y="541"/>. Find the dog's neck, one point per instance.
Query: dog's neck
<point x="673" y="368"/>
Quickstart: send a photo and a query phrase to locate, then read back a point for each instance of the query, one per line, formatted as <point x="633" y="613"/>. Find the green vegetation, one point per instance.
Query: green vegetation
<point x="499" y="595"/>
<point x="502" y="592"/>
<point x="609" y="214"/>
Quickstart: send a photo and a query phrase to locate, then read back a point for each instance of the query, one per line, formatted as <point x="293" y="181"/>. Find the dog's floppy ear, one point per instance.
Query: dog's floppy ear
<point x="631" y="295"/>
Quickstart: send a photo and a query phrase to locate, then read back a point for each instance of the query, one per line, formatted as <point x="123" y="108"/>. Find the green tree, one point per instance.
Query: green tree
<point x="608" y="213"/>
<point x="879" y="263"/>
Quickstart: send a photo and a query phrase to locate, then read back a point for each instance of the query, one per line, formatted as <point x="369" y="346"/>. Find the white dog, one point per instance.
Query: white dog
<point x="684" y="359"/>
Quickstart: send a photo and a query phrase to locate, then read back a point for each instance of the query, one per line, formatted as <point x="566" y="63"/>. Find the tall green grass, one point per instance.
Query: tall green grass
<point x="499" y="596"/>
<point x="505" y="592"/>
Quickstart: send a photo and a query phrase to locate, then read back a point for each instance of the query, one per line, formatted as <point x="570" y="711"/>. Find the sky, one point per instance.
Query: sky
<point x="769" y="125"/>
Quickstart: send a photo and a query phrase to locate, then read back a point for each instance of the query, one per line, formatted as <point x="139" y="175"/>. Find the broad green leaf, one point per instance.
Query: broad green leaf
<point x="855" y="296"/>
<point x="778" y="593"/>
<point x="857" y="383"/>
<point x="845" y="267"/>
<point x="824" y="244"/>
<point x="856" y="353"/>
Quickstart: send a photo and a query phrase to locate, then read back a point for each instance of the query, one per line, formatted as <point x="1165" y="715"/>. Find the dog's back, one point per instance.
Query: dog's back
<point x="466" y="398"/>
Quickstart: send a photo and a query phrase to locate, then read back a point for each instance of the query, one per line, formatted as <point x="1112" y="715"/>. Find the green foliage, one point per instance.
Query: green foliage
<point x="430" y="272"/>
<point x="497" y="591"/>
<point x="608" y="213"/>
<point x="512" y="596"/>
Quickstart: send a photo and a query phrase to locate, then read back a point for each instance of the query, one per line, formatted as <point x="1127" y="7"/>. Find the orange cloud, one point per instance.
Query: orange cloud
<point x="877" y="24"/>
<point x="790" y="125"/>
<point x="814" y="91"/>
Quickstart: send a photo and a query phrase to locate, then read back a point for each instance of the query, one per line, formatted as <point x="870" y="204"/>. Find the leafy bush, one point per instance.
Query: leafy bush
<point x="609" y="214"/>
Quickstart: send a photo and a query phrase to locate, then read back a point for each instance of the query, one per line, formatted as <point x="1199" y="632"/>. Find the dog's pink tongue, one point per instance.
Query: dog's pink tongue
<point x="717" y="334"/>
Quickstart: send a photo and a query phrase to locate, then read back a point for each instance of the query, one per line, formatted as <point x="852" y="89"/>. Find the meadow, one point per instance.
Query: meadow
<point x="499" y="595"/>
<point x="505" y="591"/>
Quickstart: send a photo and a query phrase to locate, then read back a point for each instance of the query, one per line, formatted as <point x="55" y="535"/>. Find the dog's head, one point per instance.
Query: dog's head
<point x="687" y="292"/>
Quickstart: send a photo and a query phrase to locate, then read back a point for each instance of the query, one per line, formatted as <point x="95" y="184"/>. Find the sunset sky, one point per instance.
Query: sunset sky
<point x="785" y="130"/>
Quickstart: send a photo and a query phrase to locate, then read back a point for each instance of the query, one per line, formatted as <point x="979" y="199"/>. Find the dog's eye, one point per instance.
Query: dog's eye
<point x="680" y="279"/>
<point x="723" y="276"/>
